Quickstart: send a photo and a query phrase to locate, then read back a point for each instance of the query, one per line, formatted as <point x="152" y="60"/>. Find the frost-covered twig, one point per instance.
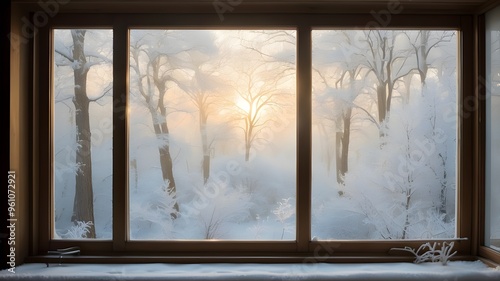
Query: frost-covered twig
<point x="283" y="212"/>
<point x="79" y="231"/>
<point x="432" y="254"/>
<point x="445" y="253"/>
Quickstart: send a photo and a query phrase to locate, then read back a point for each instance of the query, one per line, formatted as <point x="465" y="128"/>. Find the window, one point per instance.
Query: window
<point x="212" y="134"/>
<point x="214" y="137"/>
<point x="83" y="130"/>
<point x="492" y="224"/>
<point x="384" y="134"/>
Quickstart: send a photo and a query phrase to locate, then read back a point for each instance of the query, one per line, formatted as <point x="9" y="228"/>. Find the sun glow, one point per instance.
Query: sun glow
<point x="242" y="104"/>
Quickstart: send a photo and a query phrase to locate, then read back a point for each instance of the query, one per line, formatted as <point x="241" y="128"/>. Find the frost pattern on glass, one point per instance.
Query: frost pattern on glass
<point x="83" y="128"/>
<point x="384" y="134"/>
<point x="212" y="134"/>
<point x="492" y="224"/>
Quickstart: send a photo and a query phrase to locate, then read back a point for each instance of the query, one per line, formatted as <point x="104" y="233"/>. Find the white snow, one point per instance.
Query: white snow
<point x="457" y="270"/>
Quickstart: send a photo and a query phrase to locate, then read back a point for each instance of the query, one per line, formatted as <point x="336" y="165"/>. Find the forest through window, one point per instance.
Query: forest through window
<point x="212" y="134"/>
<point x="384" y="134"/>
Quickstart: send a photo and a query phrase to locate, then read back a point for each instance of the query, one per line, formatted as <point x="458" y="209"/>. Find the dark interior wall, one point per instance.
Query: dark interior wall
<point x="16" y="124"/>
<point x="5" y="125"/>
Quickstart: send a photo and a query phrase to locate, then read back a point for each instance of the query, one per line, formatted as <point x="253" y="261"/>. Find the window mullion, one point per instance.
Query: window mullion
<point x="120" y="136"/>
<point x="465" y="143"/>
<point x="304" y="64"/>
<point x="45" y="140"/>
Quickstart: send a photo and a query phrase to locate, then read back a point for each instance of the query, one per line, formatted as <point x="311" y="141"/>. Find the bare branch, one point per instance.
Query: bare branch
<point x="105" y="91"/>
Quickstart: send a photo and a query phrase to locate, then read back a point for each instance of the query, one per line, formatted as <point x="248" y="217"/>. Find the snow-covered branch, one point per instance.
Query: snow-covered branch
<point x="63" y="53"/>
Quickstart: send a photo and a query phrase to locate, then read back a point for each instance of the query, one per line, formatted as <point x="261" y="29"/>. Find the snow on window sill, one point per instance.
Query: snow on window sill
<point x="456" y="270"/>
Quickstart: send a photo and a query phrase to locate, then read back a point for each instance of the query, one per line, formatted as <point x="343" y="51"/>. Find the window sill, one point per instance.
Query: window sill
<point x="455" y="270"/>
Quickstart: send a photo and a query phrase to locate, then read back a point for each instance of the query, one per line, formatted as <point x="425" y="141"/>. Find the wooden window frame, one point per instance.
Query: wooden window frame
<point x="470" y="156"/>
<point x="483" y="251"/>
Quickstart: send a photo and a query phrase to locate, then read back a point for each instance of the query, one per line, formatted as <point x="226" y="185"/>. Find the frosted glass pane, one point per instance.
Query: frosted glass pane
<point x="83" y="130"/>
<point x="384" y="134"/>
<point x="212" y="134"/>
<point x="492" y="233"/>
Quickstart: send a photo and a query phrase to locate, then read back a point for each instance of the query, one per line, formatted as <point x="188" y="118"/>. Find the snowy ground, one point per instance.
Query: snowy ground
<point x="454" y="271"/>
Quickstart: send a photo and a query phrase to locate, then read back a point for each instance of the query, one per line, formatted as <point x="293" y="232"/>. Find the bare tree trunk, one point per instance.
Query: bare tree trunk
<point x="407" y="81"/>
<point x="342" y="146"/>
<point x="166" y="159"/>
<point x="442" y="207"/>
<point x="381" y="102"/>
<point x="205" y="146"/>
<point x="247" y="152"/>
<point x="162" y="133"/>
<point x="382" y="110"/>
<point x="83" y="207"/>
<point x="159" y="115"/>
<point x="389" y="83"/>
<point x="408" y="190"/>
<point x="248" y="134"/>
<point x="422" y="67"/>
<point x="346" y="138"/>
<point x="338" y="157"/>
<point x="407" y="217"/>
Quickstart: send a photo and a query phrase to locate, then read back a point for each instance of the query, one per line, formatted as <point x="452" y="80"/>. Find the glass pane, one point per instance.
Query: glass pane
<point x="212" y="134"/>
<point x="384" y="134"/>
<point x="492" y="233"/>
<point x="83" y="129"/>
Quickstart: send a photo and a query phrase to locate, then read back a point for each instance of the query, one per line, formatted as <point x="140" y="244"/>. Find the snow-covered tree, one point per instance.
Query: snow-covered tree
<point x="263" y="83"/>
<point x="403" y="188"/>
<point x="81" y="59"/>
<point x="203" y="89"/>
<point x="339" y="69"/>
<point x="156" y="64"/>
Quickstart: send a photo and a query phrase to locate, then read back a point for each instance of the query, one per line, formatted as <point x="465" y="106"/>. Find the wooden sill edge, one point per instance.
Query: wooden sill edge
<point x="182" y="259"/>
